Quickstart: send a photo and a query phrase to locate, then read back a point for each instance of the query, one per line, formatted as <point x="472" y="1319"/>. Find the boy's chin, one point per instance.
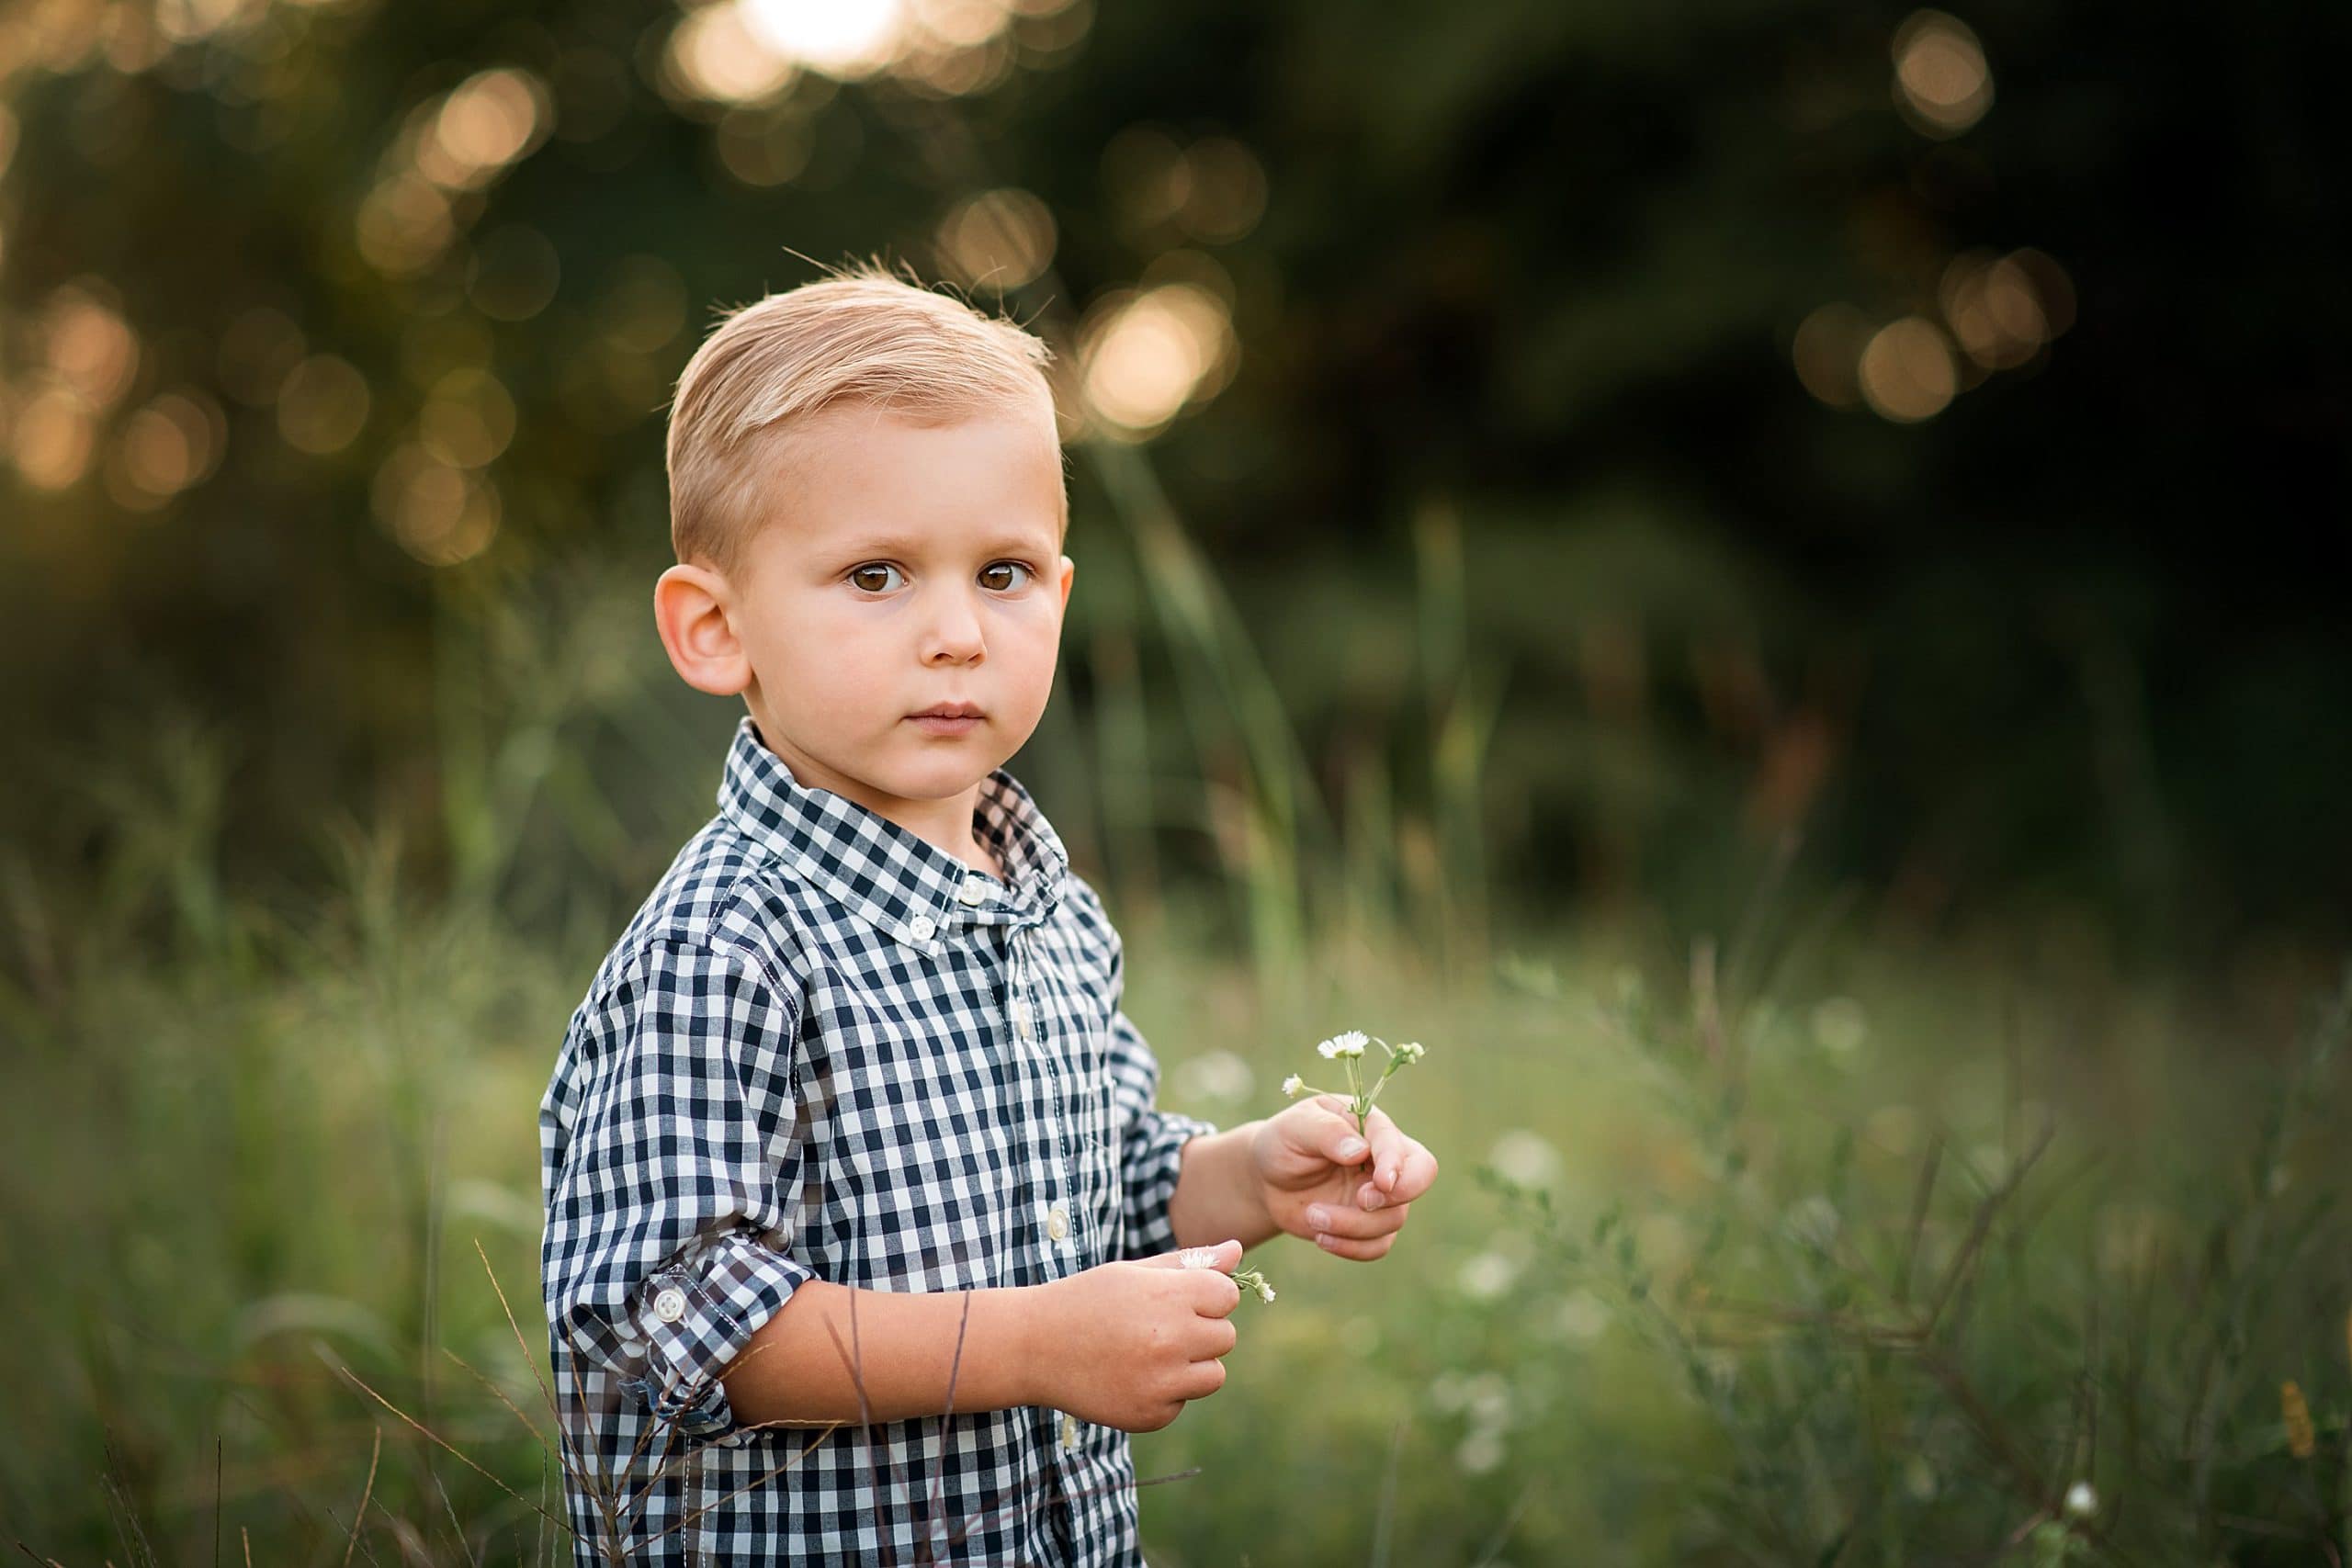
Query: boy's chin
<point x="949" y="768"/>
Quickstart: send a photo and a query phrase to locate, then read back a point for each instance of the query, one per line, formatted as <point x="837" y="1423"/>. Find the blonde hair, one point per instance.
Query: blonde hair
<point x="860" y="334"/>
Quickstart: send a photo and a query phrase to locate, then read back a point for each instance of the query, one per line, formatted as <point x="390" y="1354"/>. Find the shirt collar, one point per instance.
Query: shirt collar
<point x="888" y="874"/>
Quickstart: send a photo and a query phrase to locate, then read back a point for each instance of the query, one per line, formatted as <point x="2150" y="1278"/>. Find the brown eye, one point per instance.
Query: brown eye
<point x="988" y="574"/>
<point x="859" y="575"/>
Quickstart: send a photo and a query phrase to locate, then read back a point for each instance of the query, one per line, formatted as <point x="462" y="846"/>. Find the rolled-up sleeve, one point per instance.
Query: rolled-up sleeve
<point x="1152" y="1140"/>
<point x="676" y="1174"/>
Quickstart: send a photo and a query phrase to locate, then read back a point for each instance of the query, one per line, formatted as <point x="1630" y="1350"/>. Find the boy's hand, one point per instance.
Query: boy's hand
<point x="1318" y="1179"/>
<point x="1126" y="1344"/>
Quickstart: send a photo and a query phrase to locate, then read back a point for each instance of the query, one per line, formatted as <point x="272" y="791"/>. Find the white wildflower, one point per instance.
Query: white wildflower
<point x="1349" y="1042"/>
<point x="1291" y="1085"/>
<point x="1480" y="1451"/>
<point x="1265" y="1291"/>
<point x="1487" y="1275"/>
<point x="1583" y="1317"/>
<point x="2081" y="1501"/>
<point x="1411" y="1050"/>
<point x="1525" y="1158"/>
<point x="1216" y="1075"/>
<point x="1489" y="1401"/>
<point x="1839" y="1026"/>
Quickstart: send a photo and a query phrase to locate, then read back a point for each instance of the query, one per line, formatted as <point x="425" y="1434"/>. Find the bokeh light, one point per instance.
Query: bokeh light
<point x="844" y="38"/>
<point x="749" y="52"/>
<point x="1143" y="357"/>
<point x="323" y="405"/>
<point x="1212" y="190"/>
<point x="514" y="273"/>
<point x="1000" y="240"/>
<point x="764" y="148"/>
<point x="52" y="436"/>
<point x="2003" y="310"/>
<point x="168" y="446"/>
<point x="403" y="225"/>
<point x="467" y="420"/>
<point x="1906" y="372"/>
<point x="462" y="142"/>
<point x="716" y="53"/>
<point x="89" y="346"/>
<point x="1941" y="82"/>
<point x="486" y="124"/>
<point x="1828" y="343"/>
<point x="1227" y="192"/>
<point x="438" y="513"/>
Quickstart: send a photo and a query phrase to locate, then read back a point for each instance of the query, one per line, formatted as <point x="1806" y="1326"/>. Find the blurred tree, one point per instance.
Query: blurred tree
<point x="1869" y="422"/>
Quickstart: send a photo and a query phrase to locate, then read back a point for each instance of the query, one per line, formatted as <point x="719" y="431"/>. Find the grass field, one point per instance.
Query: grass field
<point x="1833" y="1251"/>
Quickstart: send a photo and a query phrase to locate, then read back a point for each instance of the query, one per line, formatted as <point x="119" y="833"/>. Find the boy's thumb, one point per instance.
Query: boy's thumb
<point x="1225" y="1256"/>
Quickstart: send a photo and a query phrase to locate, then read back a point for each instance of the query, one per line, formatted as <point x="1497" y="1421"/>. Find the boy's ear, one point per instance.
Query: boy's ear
<point x="1069" y="569"/>
<point x="690" y="611"/>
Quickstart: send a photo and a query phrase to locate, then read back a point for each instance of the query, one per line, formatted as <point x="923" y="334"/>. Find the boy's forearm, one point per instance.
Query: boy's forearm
<point x="1217" y="1195"/>
<point x="905" y="1346"/>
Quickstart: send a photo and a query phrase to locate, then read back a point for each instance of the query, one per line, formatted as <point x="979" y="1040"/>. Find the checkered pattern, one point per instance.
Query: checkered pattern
<point x="805" y="1059"/>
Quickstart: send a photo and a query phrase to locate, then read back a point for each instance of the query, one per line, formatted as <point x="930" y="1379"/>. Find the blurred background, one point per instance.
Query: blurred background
<point x="1780" y="564"/>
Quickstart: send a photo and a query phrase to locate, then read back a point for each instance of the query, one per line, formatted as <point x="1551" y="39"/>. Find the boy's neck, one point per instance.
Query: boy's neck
<point x="945" y="824"/>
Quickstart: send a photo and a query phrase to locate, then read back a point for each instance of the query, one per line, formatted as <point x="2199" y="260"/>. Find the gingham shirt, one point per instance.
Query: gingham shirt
<point x="827" y="1049"/>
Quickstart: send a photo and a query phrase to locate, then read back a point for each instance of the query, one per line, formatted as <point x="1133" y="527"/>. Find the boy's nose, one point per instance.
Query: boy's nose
<point x="955" y="634"/>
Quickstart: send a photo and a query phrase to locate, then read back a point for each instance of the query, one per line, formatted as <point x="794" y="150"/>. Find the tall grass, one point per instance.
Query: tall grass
<point x="1765" y="1265"/>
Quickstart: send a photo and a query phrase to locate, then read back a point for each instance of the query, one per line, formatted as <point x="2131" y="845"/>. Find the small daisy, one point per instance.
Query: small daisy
<point x="1411" y="1050"/>
<point x="1251" y="1280"/>
<point x="1291" y="1085"/>
<point x="1349" y="1042"/>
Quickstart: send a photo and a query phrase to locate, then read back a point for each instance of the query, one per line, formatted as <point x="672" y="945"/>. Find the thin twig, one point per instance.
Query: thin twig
<point x="990" y="1519"/>
<point x="528" y="1359"/>
<point x="1921" y="1195"/>
<point x="495" y="1392"/>
<point x="939" y="1475"/>
<point x="359" y="1515"/>
<point x="1981" y="1225"/>
<point x="1510" y="1522"/>
<point x="438" y="1439"/>
<point x="747" y="1486"/>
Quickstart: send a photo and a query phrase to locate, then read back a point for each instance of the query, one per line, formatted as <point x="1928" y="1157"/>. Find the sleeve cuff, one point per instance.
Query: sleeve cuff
<point x="1150" y="1165"/>
<point x="694" y="1318"/>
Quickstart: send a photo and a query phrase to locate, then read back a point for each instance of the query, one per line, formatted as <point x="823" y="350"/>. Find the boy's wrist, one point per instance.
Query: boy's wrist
<point x="1032" y="1325"/>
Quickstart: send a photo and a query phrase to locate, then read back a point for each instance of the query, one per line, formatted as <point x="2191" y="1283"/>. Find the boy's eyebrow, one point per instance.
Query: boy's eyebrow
<point x="899" y="545"/>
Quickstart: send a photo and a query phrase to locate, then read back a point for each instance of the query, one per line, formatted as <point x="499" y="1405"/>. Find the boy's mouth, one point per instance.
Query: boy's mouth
<point x="948" y="719"/>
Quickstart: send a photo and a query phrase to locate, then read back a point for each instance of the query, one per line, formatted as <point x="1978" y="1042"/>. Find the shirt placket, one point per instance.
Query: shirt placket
<point x="1056" y="1216"/>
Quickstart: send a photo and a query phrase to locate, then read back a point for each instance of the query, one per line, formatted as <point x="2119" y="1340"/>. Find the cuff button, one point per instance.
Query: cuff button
<point x="669" y="1305"/>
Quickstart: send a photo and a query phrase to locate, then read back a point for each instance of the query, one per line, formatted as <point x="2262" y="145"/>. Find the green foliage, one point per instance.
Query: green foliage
<point x="1777" y="1273"/>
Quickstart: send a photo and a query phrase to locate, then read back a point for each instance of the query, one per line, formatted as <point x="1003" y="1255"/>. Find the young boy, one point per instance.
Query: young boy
<point x="862" y="1048"/>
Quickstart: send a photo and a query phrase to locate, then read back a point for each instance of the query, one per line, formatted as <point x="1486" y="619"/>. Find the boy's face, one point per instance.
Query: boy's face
<point x="903" y="567"/>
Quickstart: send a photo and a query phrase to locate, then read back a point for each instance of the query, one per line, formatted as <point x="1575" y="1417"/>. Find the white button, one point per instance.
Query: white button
<point x="669" y="1305"/>
<point x="974" y="891"/>
<point x="1069" y="1431"/>
<point x="920" y="927"/>
<point x="1057" y="1223"/>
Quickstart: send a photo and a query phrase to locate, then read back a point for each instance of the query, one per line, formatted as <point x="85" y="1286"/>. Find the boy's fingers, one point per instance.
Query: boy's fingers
<point x="1417" y="1174"/>
<point x="1219" y="1296"/>
<point x="1338" y="1140"/>
<point x="1223" y="1257"/>
<point x="1363" y="1251"/>
<point x="1338" y="1219"/>
<point x="1409" y="1174"/>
